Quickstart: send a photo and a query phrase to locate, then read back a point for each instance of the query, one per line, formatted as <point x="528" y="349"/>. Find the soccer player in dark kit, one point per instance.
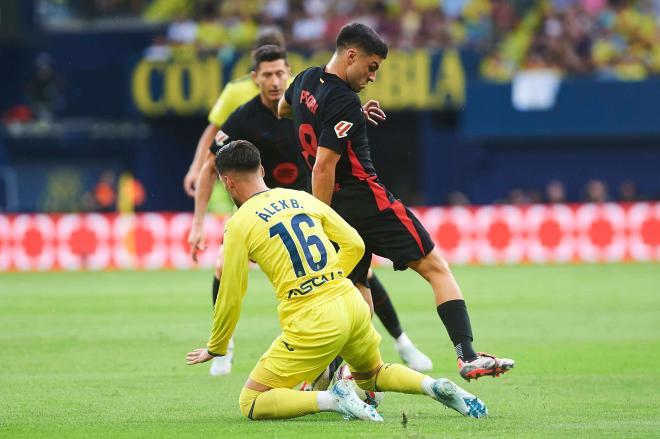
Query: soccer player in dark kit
<point x="332" y="133"/>
<point x="256" y="121"/>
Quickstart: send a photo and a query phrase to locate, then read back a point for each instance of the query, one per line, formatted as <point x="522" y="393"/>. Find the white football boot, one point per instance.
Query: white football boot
<point x="222" y="365"/>
<point x="484" y="365"/>
<point x="370" y="397"/>
<point x="350" y="405"/>
<point x="458" y="399"/>
<point x="414" y="358"/>
<point x="411" y="356"/>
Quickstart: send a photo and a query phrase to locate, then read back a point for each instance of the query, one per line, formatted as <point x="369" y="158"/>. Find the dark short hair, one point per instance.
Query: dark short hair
<point x="238" y="155"/>
<point x="363" y="37"/>
<point x="270" y="37"/>
<point x="268" y="53"/>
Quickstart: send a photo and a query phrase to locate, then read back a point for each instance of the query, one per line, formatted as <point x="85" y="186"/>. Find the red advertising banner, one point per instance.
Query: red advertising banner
<point x="464" y="235"/>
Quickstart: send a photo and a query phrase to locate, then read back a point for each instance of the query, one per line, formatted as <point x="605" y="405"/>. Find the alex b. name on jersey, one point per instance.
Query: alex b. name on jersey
<point x="267" y="212"/>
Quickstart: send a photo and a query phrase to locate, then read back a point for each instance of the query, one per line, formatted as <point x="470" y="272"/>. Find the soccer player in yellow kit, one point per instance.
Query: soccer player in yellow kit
<point x="322" y="315"/>
<point x="232" y="102"/>
<point x="236" y="93"/>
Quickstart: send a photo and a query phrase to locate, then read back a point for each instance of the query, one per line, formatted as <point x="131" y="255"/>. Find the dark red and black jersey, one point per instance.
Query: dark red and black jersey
<point x="328" y="113"/>
<point x="275" y="140"/>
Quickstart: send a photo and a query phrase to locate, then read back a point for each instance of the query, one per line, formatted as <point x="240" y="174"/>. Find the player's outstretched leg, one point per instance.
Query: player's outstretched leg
<point x="453" y="313"/>
<point x="399" y="378"/>
<point x="384" y="309"/>
<point x="283" y="403"/>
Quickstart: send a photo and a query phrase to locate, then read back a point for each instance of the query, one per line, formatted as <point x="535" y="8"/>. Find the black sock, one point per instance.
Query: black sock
<point x="216" y="287"/>
<point x="454" y="315"/>
<point x="384" y="309"/>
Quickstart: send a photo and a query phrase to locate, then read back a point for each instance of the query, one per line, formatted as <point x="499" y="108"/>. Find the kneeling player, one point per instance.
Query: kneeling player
<point x="257" y="122"/>
<point x="322" y="314"/>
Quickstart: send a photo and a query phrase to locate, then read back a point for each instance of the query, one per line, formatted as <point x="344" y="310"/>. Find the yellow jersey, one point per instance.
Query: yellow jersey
<point x="288" y="233"/>
<point x="236" y="93"/>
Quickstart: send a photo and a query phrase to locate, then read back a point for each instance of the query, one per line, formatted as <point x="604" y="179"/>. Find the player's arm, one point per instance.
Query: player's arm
<point x="351" y="245"/>
<point x="221" y="110"/>
<point x="284" y="109"/>
<point x="232" y="129"/>
<point x="233" y="287"/>
<point x="205" y="183"/>
<point x="323" y="174"/>
<point x="230" y="297"/>
<point x="340" y="121"/>
<point x="190" y="180"/>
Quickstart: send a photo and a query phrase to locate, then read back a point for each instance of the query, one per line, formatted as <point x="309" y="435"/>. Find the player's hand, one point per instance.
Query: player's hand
<point x="372" y="112"/>
<point x="197" y="356"/>
<point x="197" y="241"/>
<point x="189" y="182"/>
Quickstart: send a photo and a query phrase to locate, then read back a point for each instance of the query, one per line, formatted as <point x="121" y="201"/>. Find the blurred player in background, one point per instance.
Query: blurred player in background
<point x="257" y="122"/>
<point x="322" y="315"/>
<point x="236" y="93"/>
<point x="254" y="119"/>
<point x="330" y="121"/>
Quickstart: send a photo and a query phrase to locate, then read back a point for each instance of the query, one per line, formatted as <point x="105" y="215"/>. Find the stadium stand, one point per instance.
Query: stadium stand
<point x="460" y="73"/>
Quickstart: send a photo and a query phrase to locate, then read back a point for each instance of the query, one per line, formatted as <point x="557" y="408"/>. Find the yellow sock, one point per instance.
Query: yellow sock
<point x="395" y="378"/>
<point x="277" y="403"/>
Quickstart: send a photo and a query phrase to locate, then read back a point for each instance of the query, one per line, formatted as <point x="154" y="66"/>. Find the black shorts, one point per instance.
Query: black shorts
<point x="394" y="233"/>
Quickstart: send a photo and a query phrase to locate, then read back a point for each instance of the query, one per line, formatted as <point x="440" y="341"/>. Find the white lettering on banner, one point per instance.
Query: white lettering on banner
<point x="489" y="234"/>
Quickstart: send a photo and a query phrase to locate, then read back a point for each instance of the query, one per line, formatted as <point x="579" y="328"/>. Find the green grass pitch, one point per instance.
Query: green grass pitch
<point x="102" y="355"/>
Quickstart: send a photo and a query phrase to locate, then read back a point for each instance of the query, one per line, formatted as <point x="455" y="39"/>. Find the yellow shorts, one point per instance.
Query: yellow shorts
<point x="340" y="326"/>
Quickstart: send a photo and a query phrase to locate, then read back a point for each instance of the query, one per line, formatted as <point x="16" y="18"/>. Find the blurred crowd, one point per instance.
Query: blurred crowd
<point x="612" y="39"/>
<point x="313" y="24"/>
<point x="594" y="191"/>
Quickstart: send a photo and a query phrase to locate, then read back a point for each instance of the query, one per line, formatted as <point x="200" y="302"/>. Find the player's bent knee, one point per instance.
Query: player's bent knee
<point x="247" y="400"/>
<point x="437" y="263"/>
